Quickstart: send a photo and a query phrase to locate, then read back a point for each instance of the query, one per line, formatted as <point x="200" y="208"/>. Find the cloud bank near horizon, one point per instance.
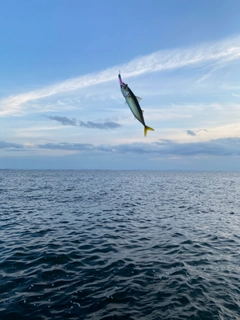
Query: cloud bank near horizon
<point x="164" y="147"/>
<point x="217" y="147"/>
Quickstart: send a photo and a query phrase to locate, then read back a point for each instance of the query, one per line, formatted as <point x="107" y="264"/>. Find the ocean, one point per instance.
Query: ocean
<point x="119" y="245"/>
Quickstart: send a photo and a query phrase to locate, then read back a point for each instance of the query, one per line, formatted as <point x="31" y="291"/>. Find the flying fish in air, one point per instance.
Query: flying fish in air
<point x="133" y="103"/>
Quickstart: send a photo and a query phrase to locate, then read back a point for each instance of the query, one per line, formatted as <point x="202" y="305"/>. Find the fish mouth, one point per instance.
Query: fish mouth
<point x="120" y="80"/>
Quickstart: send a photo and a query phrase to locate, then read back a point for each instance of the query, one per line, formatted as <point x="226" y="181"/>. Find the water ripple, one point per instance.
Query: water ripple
<point x="119" y="245"/>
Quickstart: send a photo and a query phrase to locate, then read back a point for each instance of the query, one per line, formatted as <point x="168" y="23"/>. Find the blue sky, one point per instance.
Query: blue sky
<point x="60" y="101"/>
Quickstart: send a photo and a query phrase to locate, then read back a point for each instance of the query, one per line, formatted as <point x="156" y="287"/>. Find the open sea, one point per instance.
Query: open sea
<point x="119" y="245"/>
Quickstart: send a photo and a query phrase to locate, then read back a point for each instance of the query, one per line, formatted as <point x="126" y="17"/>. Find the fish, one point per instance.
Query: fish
<point x="133" y="103"/>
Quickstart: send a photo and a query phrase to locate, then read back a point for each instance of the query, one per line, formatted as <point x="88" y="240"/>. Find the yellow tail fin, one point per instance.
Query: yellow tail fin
<point x="146" y="128"/>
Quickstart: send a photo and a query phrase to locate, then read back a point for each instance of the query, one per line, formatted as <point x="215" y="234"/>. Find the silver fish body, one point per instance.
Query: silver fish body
<point x="133" y="104"/>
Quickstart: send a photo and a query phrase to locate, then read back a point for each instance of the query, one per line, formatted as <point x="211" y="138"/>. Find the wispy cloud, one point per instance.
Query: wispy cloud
<point x="191" y="133"/>
<point x="225" y="50"/>
<point x="8" y="145"/>
<point x="89" y="124"/>
<point x="64" y="120"/>
<point x="194" y="133"/>
<point x="98" y="125"/>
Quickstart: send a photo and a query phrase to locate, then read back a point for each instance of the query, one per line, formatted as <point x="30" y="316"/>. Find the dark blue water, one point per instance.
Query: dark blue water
<point x="119" y="245"/>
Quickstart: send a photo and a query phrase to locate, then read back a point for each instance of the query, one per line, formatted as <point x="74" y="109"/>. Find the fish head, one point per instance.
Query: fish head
<point x="123" y="86"/>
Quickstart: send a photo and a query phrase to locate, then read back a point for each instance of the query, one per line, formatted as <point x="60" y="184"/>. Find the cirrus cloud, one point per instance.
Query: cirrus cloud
<point x="88" y="124"/>
<point x="219" y="52"/>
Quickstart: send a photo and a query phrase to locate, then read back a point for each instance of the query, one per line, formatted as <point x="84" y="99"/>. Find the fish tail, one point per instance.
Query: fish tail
<point x="146" y="128"/>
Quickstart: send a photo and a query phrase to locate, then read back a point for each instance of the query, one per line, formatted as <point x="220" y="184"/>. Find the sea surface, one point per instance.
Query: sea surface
<point x="119" y="245"/>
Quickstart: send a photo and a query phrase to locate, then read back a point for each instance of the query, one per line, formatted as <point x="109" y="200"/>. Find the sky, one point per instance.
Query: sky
<point x="60" y="102"/>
